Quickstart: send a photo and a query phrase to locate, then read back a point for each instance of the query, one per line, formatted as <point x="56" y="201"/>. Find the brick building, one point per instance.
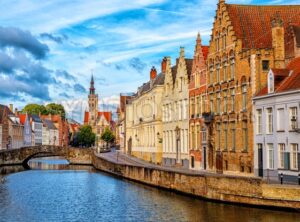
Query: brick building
<point x="98" y="120"/>
<point x="4" y="127"/>
<point x="197" y="101"/>
<point x="246" y="41"/>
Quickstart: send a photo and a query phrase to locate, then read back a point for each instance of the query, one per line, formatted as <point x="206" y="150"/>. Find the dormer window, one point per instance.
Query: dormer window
<point x="270" y="82"/>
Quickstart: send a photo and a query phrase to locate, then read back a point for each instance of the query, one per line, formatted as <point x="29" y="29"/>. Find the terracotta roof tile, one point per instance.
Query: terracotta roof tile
<point x="252" y="23"/>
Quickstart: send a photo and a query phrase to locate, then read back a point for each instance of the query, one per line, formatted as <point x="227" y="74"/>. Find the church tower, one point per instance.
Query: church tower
<point x="93" y="104"/>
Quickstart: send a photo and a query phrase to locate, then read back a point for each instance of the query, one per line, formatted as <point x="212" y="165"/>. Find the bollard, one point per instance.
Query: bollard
<point x="281" y="178"/>
<point x="299" y="179"/>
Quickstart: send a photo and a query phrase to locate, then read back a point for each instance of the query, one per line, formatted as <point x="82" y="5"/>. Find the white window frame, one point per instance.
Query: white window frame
<point x="259" y="121"/>
<point x="294" y="156"/>
<point x="280" y="119"/>
<point x="270" y="155"/>
<point x="281" y="151"/>
<point x="293" y="113"/>
<point x="269" y="121"/>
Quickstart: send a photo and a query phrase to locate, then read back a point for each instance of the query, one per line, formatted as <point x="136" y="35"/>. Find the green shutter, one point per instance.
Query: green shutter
<point x="286" y="160"/>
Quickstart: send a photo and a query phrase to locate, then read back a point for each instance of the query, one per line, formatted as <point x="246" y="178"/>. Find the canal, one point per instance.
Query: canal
<point x="56" y="191"/>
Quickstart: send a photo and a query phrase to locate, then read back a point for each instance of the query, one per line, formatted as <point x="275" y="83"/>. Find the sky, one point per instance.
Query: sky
<point x="49" y="49"/>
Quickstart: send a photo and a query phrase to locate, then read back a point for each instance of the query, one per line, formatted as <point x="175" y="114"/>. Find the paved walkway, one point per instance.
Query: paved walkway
<point x="121" y="158"/>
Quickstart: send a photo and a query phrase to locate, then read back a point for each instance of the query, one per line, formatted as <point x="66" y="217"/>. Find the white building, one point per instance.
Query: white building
<point x="50" y="133"/>
<point x="176" y="112"/>
<point x="276" y="133"/>
<point x="37" y="128"/>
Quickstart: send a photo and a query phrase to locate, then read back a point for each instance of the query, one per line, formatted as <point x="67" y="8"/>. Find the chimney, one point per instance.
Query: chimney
<point x="164" y="65"/>
<point x="11" y="107"/>
<point x="153" y="73"/>
<point x="16" y="111"/>
<point x="278" y="42"/>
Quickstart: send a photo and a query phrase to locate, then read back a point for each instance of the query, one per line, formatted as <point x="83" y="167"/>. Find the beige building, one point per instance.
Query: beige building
<point x="144" y="120"/>
<point x="175" y="112"/>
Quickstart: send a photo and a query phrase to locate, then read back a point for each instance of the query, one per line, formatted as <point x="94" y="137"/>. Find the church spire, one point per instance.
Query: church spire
<point x="92" y="88"/>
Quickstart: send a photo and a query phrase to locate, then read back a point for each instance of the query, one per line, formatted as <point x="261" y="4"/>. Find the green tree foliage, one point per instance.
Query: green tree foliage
<point x="52" y="108"/>
<point x="86" y="137"/>
<point x="35" y="109"/>
<point x="108" y="136"/>
<point x="56" y="109"/>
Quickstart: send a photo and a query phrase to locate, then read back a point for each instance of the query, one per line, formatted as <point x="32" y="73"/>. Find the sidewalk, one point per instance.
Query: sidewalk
<point x="121" y="158"/>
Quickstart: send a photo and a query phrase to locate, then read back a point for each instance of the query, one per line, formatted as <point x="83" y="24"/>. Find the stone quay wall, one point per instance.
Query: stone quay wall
<point x="233" y="189"/>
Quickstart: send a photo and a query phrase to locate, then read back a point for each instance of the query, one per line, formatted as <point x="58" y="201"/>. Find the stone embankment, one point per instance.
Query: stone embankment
<point x="226" y="188"/>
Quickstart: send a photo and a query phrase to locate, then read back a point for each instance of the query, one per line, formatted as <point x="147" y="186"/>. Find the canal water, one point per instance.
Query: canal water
<point x="55" y="191"/>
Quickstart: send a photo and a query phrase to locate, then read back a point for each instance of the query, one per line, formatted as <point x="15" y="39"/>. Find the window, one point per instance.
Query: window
<point x="218" y="103"/>
<point x="193" y="138"/>
<point x="270" y="155"/>
<point x="265" y="65"/>
<point x="198" y="137"/>
<point x="233" y="136"/>
<point x="204" y="136"/>
<point x="293" y="118"/>
<point x="244" y="97"/>
<point x="224" y="71"/>
<point x="211" y="74"/>
<point x="294" y="156"/>
<point x="224" y="41"/>
<point x="225" y="136"/>
<point x="281" y="150"/>
<point x="192" y="107"/>
<point x="232" y="68"/>
<point x="232" y="100"/>
<point x="245" y="136"/>
<point x="269" y="120"/>
<point x="198" y="105"/>
<point x="225" y="102"/>
<point x="218" y="72"/>
<point x="258" y="121"/>
<point x="203" y="103"/>
<point x="219" y="136"/>
<point x="211" y="103"/>
<point x="280" y="119"/>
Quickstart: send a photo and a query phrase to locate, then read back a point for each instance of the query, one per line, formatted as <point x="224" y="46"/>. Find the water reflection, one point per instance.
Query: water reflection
<point x="84" y="195"/>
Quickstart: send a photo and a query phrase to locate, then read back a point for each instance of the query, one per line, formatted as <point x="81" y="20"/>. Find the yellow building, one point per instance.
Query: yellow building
<point x="144" y="120"/>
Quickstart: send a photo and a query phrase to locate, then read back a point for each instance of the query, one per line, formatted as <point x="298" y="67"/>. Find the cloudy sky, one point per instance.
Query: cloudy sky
<point x="48" y="49"/>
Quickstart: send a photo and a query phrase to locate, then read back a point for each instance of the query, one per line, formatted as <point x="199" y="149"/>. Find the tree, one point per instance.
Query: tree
<point x="51" y="108"/>
<point x="35" y="109"/>
<point x="108" y="136"/>
<point x="86" y="137"/>
<point x="56" y="109"/>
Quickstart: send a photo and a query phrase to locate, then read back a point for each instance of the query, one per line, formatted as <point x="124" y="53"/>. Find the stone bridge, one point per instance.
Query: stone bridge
<point x="24" y="154"/>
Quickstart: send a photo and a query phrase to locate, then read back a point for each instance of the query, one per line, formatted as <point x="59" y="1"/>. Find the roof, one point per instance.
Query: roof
<point x="35" y="118"/>
<point x="4" y="110"/>
<point x="205" y="50"/>
<point x="285" y="79"/>
<point x="22" y="118"/>
<point x="107" y="116"/>
<point x="49" y="124"/>
<point x="252" y="23"/>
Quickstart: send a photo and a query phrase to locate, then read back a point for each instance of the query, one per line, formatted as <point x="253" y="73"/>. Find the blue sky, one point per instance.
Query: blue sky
<point x="48" y="49"/>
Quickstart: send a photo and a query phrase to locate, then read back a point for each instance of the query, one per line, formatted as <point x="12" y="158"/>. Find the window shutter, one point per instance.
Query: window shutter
<point x="287" y="160"/>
